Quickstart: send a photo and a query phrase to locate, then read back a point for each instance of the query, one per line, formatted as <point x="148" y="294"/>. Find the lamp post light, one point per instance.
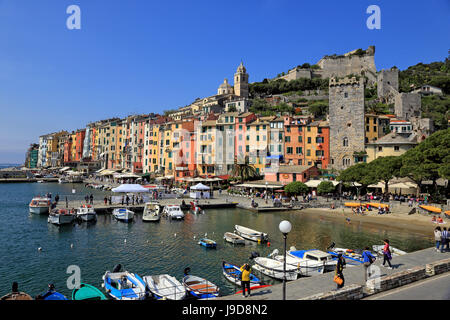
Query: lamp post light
<point x="285" y="227"/>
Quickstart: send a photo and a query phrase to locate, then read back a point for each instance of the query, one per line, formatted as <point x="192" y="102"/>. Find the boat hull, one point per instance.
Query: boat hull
<point x="200" y="288"/>
<point x="165" y="287"/>
<point x="137" y="292"/>
<point x="123" y="215"/>
<point x="233" y="274"/>
<point x="88" y="217"/>
<point x="250" y="234"/>
<point x="233" y="238"/>
<point x="61" y="219"/>
<point x="274" y="269"/>
<point x="39" y="210"/>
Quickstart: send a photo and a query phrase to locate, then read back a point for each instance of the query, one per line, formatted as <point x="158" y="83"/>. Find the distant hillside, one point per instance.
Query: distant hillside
<point x="435" y="74"/>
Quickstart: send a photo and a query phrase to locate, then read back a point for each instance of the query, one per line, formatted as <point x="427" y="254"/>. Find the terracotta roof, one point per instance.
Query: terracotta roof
<point x="293" y="168"/>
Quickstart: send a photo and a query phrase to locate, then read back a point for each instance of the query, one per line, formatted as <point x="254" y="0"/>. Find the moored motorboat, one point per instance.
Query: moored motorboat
<point x="275" y="269"/>
<point x="208" y="243"/>
<point x="123" y="214"/>
<point x="61" y="216"/>
<point x="86" y="213"/>
<point x="233" y="274"/>
<point x="251" y="234"/>
<point x="165" y="287"/>
<point x="152" y="212"/>
<point x="124" y="285"/>
<point x="352" y="257"/>
<point x="305" y="268"/>
<point x="196" y="209"/>
<point x="173" y="212"/>
<point x="200" y="288"/>
<point x="87" y="292"/>
<point x="15" y="294"/>
<point x="40" y="205"/>
<point x="233" y="238"/>
<point x="314" y="257"/>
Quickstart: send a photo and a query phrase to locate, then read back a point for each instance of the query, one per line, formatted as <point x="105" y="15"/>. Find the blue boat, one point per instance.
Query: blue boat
<point x="51" y="294"/>
<point x="351" y="258"/>
<point x="233" y="274"/>
<point x="208" y="243"/>
<point x="124" y="285"/>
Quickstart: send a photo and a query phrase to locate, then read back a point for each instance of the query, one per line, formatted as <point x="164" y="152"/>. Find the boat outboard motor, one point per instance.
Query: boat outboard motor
<point x="117" y="268"/>
<point x="254" y="255"/>
<point x="186" y="271"/>
<point x="332" y="245"/>
<point x="15" y="287"/>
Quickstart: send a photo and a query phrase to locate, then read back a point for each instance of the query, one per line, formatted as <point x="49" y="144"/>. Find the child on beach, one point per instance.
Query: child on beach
<point x="387" y="254"/>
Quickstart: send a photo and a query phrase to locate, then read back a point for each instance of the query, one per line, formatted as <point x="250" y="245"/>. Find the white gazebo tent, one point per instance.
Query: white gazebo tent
<point x="130" y="188"/>
<point x="198" y="189"/>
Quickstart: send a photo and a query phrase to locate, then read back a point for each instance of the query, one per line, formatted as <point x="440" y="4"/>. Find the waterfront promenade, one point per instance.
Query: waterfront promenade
<point x="305" y="288"/>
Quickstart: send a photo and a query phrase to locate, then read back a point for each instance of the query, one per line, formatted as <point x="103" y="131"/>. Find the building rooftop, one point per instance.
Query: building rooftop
<point x="293" y="168"/>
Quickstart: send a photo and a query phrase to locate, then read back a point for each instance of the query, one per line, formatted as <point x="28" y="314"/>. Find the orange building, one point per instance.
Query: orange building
<point x="79" y="142"/>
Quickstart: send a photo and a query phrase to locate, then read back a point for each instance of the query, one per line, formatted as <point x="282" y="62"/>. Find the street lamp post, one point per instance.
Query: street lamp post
<point x="285" y="227"/>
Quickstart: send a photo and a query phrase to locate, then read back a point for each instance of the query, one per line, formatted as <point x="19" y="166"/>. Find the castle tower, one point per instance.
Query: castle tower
<point x="241" y="82"/>
<point x="387" y="84"/>
<point x="346" y="116"/>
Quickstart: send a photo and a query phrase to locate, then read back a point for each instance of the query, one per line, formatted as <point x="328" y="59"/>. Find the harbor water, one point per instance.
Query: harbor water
<point x="153" y="248"/>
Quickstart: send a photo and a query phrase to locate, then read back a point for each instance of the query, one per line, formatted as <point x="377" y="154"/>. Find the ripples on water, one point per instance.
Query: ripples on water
<point x="151" y="248"/>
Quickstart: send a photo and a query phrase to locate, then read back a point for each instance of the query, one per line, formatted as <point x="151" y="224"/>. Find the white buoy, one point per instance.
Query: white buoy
<point x="175" y="234"/>
<point x="125" y="241"/>
<point x="71" y="245"/>
<point x="194" y="237"/>
<point x="39" y="249"/>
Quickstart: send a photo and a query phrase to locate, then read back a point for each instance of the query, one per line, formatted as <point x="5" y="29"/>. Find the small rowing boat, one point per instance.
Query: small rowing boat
<point x="51" y="294"/>
<point x="123" y="214"/>
<point x="87" y="292"/>
<point x="200" y="288"/>
<point x="165" y="287"/>
<point x="251" y="234"/>
<point x="124" y="285"/>
<point x="208" y="243"/>
<point x="233" y="238"/>
<point x="16" y="294"/>
<point x="275" y="269"/>
<point x="233" y="274"/>
<point x="431" y="208"/>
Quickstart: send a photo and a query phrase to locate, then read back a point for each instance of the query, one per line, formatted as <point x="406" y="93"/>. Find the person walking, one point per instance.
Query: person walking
<point x="444" y="240"/>
<point x="105" y="200"/>
<point x="127" y="200"/>
<point x="91" y="198"/>
<point x="245" y="279"/>
<point x="437" y="237"/>
<point x="387" y="256"/>
<point x="339" y="274"/>
<point x="368" y="259"/>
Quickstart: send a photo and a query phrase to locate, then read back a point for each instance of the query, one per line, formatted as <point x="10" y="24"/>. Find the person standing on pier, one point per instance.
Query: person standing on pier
<point x="444" y="240"/>
<point x="339" y="272"/>
<point x="56" y="199"/>
<point x="368" y="259"/>
<point x="91" y="198"/>
<point x="437" y="237"/>
<point x="123" y="199"/>
<point x="387" y="256"/>
<point x="245" y="280"/>
<point x="106" y="200"/>
<point x="127" y="200"/>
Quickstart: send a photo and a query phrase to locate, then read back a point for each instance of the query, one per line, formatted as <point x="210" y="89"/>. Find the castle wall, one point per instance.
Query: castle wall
<point x="407" y="105"/>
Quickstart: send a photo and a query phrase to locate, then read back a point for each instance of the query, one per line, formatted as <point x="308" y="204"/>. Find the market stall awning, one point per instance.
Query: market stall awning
<point x="200" y="186"/>
<point x="130" y="188"/>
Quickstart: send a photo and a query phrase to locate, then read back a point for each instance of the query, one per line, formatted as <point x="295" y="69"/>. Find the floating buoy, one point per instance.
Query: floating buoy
<point x="175" y="234"/>
<point x="71" y="245"/>
<point x="125" y="240"/>
<point x="39" y="249"/>
<point x="268" y="244"/>
<point x="194" y="237"/>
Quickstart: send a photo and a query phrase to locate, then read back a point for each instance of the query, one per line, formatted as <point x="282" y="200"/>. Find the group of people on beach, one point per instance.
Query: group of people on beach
<point x="437" y="220"/>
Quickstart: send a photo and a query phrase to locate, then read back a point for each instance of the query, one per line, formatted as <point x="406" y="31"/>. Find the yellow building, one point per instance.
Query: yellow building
<point x="206" y="147"/>
<point x="375" y="126"/>
<point x="392" y="144"/>
<point x="257" y="142"/>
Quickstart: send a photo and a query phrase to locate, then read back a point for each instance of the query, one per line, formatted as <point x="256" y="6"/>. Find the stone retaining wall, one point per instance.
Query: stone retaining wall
<point x="351" y="292"/>
<point x="395" y="280"/>
<point x="438" y="267"/>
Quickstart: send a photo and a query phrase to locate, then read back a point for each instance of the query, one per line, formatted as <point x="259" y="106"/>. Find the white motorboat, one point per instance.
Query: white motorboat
<point x="63" y="180"/>
<point x="61" y="216"/>
<point x="275" y="269"/>
<point x="233" y="238"/>
<point x="314" y="257"/>
<point x="173" y="212"/>
<point x="165" y="287"/>
<point x="86" y="213"/>
<point x="152" y="212"/>
<point x="305" y="268"/>
<point x="123" y="214"/>
<point x="124" y="285"/>
<point x="394" y="251"/>
<point x="251" y="234"/>
<point x="40" y="205"/>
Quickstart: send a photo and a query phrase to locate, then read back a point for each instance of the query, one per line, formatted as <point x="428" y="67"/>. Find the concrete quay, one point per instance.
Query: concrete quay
<point x="407" y="269"/>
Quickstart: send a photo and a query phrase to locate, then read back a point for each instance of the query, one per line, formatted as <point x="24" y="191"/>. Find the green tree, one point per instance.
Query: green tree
<point x="244" y="170"/>
<point x="359" y="173"/>
<point x="325" y="187"/>
<point x="296" y="188"/>
<point x="425" y="161"/>
<point x="386" y="168"/>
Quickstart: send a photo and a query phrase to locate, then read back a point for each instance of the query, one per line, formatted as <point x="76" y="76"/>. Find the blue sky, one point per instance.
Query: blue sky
<point x="141" y="56"/>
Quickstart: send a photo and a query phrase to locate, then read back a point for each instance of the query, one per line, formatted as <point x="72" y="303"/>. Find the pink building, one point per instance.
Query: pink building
<point x="241" y="133"/>
<point x="289" y="173"/>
